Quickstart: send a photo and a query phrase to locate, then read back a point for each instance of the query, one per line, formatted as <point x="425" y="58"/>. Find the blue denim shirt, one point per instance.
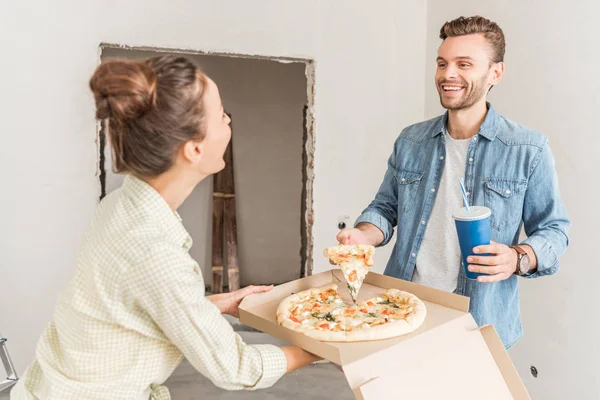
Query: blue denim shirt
<point x="509" y="169"/>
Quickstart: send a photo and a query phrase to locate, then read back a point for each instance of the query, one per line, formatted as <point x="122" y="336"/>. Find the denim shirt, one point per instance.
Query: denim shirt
<point x="509" y="169"/>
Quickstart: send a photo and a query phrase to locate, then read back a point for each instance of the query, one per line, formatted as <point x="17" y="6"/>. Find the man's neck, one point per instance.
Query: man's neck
<point x="465" y="123"/>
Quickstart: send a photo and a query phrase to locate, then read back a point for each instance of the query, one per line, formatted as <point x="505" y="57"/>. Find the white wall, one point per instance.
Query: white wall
<point x="551" y="85"/>
<point x="369" y="84"/>
<point x="266" y="100"/>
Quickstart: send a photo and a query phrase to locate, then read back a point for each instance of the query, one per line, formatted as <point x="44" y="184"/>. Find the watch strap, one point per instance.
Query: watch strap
<point x="520" y="254"/>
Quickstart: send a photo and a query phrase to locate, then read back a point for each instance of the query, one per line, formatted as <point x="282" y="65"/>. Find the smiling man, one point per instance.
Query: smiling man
<point x="506" y="167"/>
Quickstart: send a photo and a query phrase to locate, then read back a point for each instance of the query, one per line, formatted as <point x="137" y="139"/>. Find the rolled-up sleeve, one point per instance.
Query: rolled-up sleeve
<point x="383" y="210"/>
<point x="169" y="288"/>
<point x="544" y="215"/>
<point x="373" y="217"/>
<point x="274" y="365"/>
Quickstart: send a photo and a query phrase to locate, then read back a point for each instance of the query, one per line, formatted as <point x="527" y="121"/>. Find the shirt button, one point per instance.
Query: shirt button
<point x="470" y="160"/>
<point x="468" y="193"/>
<point x="423" y="222"/>
<point x="403" y="179"/>
<point x="432" y="190"/>
<point x="442" y="157"/>
<point x="507" y="191"/>
<point x="414" y="254"/>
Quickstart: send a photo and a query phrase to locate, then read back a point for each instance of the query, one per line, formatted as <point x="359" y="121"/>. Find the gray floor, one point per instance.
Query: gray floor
<point x="317" y="381"/>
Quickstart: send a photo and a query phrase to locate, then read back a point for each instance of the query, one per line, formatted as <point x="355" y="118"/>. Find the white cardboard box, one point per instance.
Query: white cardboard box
<point x="448" y="357"/>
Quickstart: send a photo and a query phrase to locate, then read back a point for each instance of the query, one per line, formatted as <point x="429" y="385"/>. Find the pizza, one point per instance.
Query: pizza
<point x="354" y="261"/>
<point x="321" y="314"/>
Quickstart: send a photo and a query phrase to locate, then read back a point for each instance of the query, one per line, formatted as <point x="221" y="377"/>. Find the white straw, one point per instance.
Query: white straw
<point x="464" y="193"/>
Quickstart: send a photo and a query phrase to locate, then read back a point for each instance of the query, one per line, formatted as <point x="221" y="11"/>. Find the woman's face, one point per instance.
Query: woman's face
<point x="217" y="132"/>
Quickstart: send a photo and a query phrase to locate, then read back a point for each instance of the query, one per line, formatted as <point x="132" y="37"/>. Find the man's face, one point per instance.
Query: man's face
<point x="464" y="71"/>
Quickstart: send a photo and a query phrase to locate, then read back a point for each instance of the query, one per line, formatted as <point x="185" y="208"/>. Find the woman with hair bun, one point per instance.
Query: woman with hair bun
<point x="136" y="306"/>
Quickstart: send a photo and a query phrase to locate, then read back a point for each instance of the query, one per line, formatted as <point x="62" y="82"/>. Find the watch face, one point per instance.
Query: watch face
<point x="525" y="264"/>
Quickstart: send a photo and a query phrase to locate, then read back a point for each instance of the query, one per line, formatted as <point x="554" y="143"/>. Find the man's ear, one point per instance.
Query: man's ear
<point x="497" y="73"/>
<point x="192" y="151"/>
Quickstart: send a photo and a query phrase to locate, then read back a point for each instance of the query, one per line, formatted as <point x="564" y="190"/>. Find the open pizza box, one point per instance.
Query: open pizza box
<point x="448" y="357"/>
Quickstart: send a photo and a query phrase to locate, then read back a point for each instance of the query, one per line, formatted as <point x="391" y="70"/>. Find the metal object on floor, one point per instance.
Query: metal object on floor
<point x="11" y="374"/>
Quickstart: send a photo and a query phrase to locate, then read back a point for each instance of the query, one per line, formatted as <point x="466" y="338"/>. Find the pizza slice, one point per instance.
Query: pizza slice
<point x="354" y="261"/>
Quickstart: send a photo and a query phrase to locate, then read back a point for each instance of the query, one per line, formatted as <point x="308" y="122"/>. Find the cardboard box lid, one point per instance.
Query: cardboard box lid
<point x="475" y="366"/>
<point x="446" y="353"/>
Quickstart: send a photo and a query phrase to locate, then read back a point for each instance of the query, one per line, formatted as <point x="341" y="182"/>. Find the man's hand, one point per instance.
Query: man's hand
<point x="501" y="263"/>
<point x="228" y="303"/>
<point x="364" y="233"/>
<point x="352" y="236"/>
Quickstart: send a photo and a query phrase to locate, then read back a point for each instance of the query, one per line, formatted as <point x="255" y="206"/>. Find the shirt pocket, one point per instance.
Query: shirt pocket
<point x="505" y="198"/>
<point x="408" y="187"/>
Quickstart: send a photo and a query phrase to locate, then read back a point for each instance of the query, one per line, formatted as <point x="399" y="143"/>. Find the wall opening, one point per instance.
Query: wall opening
<point x="270" y="100"/>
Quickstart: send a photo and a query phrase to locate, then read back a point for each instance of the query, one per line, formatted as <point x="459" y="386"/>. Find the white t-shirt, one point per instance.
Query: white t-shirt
<point x="438" y="261"/>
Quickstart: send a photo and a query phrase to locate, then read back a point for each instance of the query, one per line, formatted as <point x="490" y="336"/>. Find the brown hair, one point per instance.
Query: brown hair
<point x="152" y="107"/>
<point x="477" y="24"/>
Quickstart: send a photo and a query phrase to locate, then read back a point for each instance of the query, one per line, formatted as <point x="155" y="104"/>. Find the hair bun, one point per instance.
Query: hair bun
<point x="123" y="89"/>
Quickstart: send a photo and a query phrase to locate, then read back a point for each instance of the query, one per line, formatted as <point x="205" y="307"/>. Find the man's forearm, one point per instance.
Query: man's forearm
<point x="372" y="233"/>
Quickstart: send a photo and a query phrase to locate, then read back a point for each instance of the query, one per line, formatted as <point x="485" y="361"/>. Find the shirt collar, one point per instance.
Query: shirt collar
<point x="147" y="199"/>
<point x="488" y="129"/>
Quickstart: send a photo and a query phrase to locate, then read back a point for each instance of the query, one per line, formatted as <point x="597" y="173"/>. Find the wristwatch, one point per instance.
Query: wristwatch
<point x="523" y="262"/>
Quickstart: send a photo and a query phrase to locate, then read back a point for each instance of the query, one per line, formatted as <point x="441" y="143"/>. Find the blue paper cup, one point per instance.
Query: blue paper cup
<point x="473" y="229"/>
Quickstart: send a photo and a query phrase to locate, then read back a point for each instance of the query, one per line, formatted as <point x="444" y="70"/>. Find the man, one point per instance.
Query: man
<point x="506" y="167"/>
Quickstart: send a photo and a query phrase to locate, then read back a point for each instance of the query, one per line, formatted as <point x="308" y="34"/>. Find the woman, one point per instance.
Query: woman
<point x="136" y="306"/>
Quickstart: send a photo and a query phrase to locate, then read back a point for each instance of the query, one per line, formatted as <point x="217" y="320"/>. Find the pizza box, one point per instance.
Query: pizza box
<point x="448" y="357"/>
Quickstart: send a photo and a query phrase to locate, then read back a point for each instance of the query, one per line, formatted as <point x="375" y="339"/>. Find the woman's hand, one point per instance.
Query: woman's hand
<point x="228" y="303"/>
